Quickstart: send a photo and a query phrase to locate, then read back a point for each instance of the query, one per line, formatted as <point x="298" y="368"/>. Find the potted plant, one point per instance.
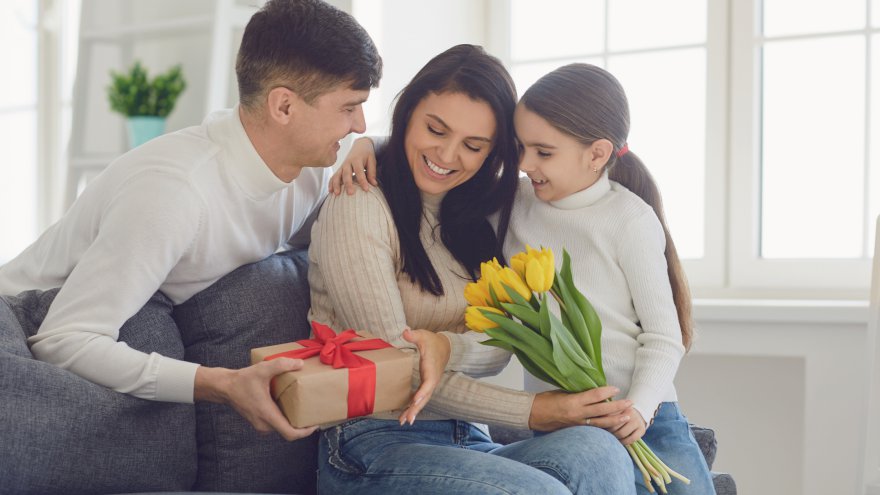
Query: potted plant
<point x="145" y="102"/>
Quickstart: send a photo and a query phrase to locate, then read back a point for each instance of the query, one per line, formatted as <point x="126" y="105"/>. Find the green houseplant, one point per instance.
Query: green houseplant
<point x="145" y="102"/>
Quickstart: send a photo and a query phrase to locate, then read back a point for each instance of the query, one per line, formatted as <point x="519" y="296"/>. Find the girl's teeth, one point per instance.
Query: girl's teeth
<point x="436" y="169"/>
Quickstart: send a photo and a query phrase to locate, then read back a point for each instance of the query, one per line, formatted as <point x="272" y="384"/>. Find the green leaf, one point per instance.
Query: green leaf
<point x="566" y="342"/>
<point x="525" y="313"/>
<point x="534" y="369"/>
<point x="544" y="318"/>
<point x="594" y="326"/>
<point x="499" y="343"/>
<point x="575" y="375"/>
<point x="514" y="295"/>
<point x="536" y="347"/>
<point x="572" y="310"/>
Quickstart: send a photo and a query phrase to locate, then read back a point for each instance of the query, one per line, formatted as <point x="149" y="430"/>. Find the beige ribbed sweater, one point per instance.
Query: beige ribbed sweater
<point x="357" y="281"/>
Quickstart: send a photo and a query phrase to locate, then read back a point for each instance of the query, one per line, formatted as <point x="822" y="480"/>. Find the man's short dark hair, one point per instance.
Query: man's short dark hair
<point x="307" y="46"/>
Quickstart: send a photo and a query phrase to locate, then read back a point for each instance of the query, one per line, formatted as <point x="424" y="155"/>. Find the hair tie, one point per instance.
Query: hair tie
<point x="623" y="150"/>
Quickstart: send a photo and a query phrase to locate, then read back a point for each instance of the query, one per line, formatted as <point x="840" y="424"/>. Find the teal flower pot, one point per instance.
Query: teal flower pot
<point x="143" y="128"/>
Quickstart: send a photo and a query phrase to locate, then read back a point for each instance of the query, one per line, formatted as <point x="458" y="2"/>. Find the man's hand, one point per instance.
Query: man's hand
<point x="434" y="352"/>
<point x="554" y="410"/>
<point x="359" y="166"/>
<point x="247" y="391"/>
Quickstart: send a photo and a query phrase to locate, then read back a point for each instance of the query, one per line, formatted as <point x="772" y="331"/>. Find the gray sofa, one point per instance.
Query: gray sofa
<point x="60" y="433"/>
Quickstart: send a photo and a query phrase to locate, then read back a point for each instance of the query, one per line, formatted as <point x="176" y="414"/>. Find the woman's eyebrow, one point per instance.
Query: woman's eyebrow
<point x="444" y="124"/>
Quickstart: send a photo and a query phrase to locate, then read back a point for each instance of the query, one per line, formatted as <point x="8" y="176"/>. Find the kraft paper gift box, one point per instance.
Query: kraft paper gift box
<point x="318" y="393"/>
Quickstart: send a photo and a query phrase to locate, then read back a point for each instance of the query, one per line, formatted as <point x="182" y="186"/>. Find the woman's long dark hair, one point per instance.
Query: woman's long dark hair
<point x="464" y="229"/>
<point x="588" y="103"/>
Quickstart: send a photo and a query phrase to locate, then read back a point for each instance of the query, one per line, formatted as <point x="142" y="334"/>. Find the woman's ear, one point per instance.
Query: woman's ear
<point x="599" y="153"/>
<point x="281" y="103"/>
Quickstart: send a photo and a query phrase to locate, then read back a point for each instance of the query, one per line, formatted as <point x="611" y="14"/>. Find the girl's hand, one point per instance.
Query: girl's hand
<point x="359" y="165"/>
<point x="554" y="410"/>
<point x="631" y="428"/>
<point x="434" y="350"/>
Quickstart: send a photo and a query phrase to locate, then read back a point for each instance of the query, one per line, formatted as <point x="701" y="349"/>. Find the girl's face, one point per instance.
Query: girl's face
<point x="556" y="162"/>
<point x="447" y="140"/>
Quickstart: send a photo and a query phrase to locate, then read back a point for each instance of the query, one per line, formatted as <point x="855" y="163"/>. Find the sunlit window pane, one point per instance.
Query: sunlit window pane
<point x="18" y="189"/>
<point x="556" y="28"/>
<point x="785" y="17"/>
<point x="813" y="148"/>
<point x="634" y="24"/>
<point x="18" y="19"/>
<point x="667" y="131"/>
<point x="524" y="75"/>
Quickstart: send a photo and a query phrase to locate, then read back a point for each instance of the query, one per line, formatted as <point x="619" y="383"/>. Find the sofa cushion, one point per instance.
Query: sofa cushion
<point x="260" y="304"/>
<point x="62" y="433"/>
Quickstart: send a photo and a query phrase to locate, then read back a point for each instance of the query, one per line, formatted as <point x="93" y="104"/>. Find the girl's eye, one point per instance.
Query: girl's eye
<point x="543" y="154"/>
<point x="472" y="148"/>
<point x="434" y="131"/>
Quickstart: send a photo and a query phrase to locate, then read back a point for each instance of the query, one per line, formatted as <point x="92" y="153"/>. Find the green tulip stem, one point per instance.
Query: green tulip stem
<point x="638" y="463"/>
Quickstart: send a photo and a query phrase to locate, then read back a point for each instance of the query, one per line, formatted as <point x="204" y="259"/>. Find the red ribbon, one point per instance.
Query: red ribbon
<point x="338" y="351"/>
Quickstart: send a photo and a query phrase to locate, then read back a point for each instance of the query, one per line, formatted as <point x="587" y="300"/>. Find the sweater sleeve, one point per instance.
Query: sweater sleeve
<point x="660" y="350"/>
<point x="354" y="283"/>
<point x="145" y="229"/>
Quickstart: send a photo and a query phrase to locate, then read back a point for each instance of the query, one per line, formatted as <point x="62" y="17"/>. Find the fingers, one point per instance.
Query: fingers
<point x="420" y="398"/>
<point x="278" y="366"/>
<point x="599" y="394"/>
<point x="371" y="170"/>
<point x="360" y="175"/>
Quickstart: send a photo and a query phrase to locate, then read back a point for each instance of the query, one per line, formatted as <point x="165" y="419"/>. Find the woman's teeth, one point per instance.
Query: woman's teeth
<point x="437" y="170"/>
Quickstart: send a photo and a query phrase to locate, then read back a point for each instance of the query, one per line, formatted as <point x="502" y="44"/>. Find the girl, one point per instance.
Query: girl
<point x="586" y="192"/>
<point x="417" y="239"/>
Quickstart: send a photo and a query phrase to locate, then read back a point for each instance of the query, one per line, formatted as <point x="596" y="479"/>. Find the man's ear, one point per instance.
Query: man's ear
<point x="599" y="153"/>
<point x="281" y="104"/>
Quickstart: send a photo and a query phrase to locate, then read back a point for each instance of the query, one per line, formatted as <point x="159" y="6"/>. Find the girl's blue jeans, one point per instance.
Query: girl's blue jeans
<point x="368" y="456"/>
<point x="670" y="437"/>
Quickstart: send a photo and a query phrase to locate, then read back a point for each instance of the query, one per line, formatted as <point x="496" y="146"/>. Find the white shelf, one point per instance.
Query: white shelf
<point x="152" y="29"/>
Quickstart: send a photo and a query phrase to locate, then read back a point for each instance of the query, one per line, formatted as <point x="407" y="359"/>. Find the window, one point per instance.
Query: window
<point x="754" y="117"/>
<point x="39" y="42"/>
<point x="664" y="67"/>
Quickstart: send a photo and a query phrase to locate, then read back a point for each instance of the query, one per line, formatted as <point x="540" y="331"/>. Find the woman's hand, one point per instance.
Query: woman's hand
<point x="631" y="428"/>
<point x="360" y="164"/>
<point x="554" y="410"/>
<point x="434" y="352"/>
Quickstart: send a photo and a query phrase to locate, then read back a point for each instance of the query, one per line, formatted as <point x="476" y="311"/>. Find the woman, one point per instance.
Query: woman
<point x="450" y="162"/>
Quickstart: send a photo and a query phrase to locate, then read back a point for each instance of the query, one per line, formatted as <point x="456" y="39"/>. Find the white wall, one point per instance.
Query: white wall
<point x="420" y="31"/>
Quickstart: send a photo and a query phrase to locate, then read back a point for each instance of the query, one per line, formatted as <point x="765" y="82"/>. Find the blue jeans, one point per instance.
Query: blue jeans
<point x="671" y="439"/>
<point x="368" y="456"/>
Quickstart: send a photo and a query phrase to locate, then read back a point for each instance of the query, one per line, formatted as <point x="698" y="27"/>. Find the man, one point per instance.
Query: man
<point x="183" y="210"/>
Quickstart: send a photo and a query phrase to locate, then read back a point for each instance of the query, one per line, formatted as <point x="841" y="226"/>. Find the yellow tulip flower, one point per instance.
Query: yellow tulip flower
<point x="476" y="321"/>
<point x="515" y="282"/>
<point x="477" y="293"/>
<point x="535" y="267"/>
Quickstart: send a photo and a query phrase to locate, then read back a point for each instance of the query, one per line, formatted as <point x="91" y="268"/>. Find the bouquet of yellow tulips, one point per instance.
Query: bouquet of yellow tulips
<point x="510" y="304"/>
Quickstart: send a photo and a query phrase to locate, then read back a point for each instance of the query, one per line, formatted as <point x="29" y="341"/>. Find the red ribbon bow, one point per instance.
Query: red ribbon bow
<point x="338" y="350"/>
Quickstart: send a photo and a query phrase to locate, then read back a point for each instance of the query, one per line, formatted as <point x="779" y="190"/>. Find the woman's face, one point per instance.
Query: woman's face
<point x="448" y="137"/>
<point x="557" y="163"/>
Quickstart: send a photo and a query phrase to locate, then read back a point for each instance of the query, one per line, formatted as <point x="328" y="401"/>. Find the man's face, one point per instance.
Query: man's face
<point x="320" y="125"/>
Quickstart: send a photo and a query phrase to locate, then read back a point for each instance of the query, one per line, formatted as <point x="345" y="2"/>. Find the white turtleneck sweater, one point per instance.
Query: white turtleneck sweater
<point x="616" y="245"/>
<point x="175" y="215"/>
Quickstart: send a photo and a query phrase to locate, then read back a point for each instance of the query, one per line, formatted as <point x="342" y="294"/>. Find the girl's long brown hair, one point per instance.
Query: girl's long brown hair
<point x="588" y="103"/>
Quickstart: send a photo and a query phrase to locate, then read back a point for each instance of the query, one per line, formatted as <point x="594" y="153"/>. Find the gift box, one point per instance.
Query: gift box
<point x="344" y="376"/>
